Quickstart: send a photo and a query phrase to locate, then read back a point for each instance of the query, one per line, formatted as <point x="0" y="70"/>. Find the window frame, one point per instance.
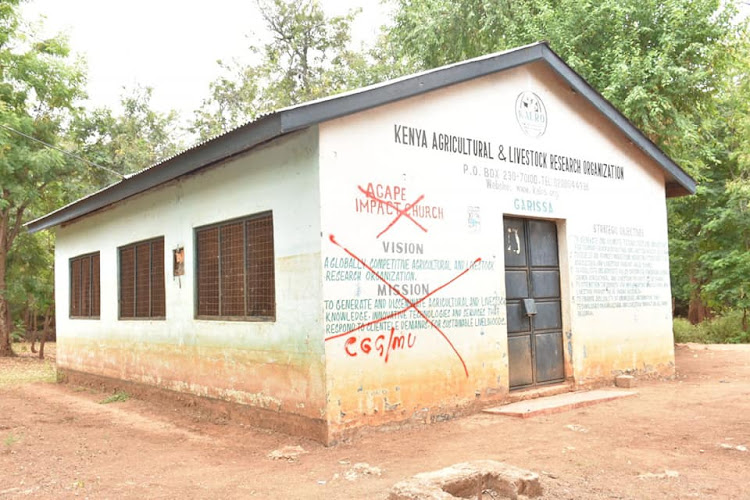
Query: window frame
<point x="134" y="246"/>
<point x="196" y="264"/>
<point x="71" y="261"/>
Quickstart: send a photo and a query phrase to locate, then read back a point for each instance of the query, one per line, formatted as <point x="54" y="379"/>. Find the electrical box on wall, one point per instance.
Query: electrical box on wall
<point x="178" y="261"/>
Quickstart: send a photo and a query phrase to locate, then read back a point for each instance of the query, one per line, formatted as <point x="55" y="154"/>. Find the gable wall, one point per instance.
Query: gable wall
<point x="614" y="319"/>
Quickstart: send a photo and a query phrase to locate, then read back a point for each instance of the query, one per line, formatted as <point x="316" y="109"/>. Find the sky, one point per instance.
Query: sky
<point x="170" y="45"/>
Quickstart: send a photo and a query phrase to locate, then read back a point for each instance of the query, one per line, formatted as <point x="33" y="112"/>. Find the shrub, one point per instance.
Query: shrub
<point x="724" y="329"/>
<point x="686" y="332"/>
<point x="727" y="329"/>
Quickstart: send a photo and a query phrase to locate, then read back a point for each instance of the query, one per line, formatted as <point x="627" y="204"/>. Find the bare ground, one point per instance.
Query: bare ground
<point x="682" y="438"/>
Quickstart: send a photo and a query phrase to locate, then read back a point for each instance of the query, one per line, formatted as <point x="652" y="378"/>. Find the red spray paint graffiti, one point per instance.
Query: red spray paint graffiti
<point x="379" y="347"/>
<point x="399" y="211"/>
<point x="410" y="304"/>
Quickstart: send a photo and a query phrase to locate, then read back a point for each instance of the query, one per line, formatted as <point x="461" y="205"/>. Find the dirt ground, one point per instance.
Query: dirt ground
<point x="683" y="438"/>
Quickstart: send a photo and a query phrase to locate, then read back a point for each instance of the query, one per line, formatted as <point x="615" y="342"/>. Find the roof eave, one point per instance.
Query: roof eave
<point x="305" y="115"/>
<point x="675" y="190"/>
<point x="680" y="178"/>
<point x="211" y="152"/>
<point x="288" y="120"/>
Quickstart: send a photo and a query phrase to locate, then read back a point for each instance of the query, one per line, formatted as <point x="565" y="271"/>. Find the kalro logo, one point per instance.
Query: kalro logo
<point x="531" y="114"/>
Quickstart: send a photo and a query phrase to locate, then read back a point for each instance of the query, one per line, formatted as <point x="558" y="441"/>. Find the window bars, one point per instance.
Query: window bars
<point x="84" y="286"/>
<point x="235" y="269"/>
<point x="142" y="280"/>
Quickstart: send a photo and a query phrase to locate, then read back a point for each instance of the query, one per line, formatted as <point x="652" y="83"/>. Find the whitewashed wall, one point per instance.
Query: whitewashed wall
<point x="462" y="199"/>
<point x="275" y="365"/>
<point x="335" y="192"/>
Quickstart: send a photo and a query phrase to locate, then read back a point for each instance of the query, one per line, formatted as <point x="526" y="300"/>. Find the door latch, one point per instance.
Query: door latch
<point x="529" y="306"/>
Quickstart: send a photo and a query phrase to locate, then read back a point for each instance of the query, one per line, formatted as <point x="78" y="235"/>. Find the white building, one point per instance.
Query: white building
<point x="405" y="252"/>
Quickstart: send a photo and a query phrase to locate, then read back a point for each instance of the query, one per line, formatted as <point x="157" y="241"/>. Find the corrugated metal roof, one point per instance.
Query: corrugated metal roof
<point x="293" y="118"/>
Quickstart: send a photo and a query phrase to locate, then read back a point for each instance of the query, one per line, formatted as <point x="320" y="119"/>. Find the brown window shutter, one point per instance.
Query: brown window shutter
<point x="127" y="282"/>
<point x="75" y="287"/>
<point x="232" y="270"/>
<point x="86" y="286"/>
<point x="142" y="278"/>
<point x="95" y="286"/>
<point x="158" y="308"/>
<point x="208" y="271"/>
<point x="261" y="296"/>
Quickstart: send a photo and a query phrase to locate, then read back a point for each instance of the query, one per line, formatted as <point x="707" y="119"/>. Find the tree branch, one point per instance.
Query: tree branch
<point x="11" y="236"/>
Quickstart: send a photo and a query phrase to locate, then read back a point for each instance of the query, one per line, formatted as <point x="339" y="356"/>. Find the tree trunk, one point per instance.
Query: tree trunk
<point x="696" y="308"/>
<point x="31" y="325"/>
<point x="5" y="327"/>
<point x="5" y="348"/>
<point x="744" y="319"/>
<point x="45" y="329"/>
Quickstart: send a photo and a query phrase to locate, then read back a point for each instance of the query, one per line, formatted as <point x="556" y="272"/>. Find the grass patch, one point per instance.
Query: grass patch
<point x="118" y="397"/>
<point x="11" y="439"/>
<point x="17" y="371"/>
<point x="725" y="329"/>
<point x="26" y="367"/>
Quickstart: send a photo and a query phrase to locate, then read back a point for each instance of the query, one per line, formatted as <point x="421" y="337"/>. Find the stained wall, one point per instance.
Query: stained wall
<point x="389" y="244"/>
<point x="270" y="365"/>
<point x="413" y="196"/>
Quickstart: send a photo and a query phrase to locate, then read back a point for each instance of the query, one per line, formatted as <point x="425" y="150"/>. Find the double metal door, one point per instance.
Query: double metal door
<point x="532" y="287"/>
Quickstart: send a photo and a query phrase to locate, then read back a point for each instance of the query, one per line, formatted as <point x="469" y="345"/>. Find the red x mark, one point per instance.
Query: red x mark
<point x="411" y="305"/>
<point x="401" y="213"/>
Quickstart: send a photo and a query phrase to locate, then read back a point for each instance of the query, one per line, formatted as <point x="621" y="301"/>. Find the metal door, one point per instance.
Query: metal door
<point x="532" y="288"/>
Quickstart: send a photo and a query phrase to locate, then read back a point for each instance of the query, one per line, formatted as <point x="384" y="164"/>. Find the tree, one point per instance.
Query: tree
<point x="39" y="87"/>
<point x="30" y="283"/>
<point x="711" y="231"/>
<point x="307" y="57"/>
<point x="659" y="62"/>
<point x="125" y="143"/>
<point x="670" y="66"/>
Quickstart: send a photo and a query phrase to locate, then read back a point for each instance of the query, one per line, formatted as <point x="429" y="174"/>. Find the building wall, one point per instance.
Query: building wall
<point x="450" y="349"/>
<point x="277" y="365"/>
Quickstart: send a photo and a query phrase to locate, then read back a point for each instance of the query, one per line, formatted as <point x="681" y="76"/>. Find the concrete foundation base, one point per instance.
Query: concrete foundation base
<point x="558" y="404"/>
<point x="208" y="408"/>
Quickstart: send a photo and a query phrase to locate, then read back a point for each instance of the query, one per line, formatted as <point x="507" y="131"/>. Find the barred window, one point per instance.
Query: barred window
<point x="142" y="280"/>
<point x="235" y="269"/>
<point x="84" y="286"/>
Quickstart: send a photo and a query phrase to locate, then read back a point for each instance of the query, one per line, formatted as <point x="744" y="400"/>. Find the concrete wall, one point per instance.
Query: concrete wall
<point x="389" y="247"/>
<point x="276" y="366"/>
<point x="458" y="156"/>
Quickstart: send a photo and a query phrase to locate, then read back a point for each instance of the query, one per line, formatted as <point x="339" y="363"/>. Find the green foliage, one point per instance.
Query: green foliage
<point x="11" y="439"/>
<point x="725" y="329"/>
<point x="658" y="62"/>
<point x="677" y="69"/>
<point x="710" y="232"/>
<point x="117" y="397"/>
<point x="125" y="143"/>
<point x="17" y="334"/>
<point x="39" y="88"/>
<point x="684" y="331"/>
<point x="30" y="278"/>
<point x="307" y="57"/>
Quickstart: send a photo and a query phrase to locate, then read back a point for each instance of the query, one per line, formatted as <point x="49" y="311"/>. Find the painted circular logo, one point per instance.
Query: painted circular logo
<point x="531" y="114"/>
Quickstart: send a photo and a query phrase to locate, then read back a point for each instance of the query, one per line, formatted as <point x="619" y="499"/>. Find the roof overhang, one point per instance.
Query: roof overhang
<point x="298" y="117"/>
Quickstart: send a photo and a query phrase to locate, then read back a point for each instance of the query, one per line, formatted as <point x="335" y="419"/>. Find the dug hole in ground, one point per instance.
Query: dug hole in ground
<point x="681" y="438"/>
